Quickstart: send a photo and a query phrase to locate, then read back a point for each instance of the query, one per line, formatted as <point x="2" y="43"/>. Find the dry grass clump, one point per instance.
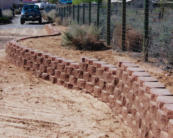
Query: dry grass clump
<point x="83" y="37"/>
<point x="134" y="39"/>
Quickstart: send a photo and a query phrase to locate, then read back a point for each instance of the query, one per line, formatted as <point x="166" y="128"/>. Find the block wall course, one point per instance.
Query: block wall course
<point x="141" y="101"/>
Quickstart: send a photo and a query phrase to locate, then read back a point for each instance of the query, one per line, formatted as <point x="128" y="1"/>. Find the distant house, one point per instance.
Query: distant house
<point x="6" y="4"/>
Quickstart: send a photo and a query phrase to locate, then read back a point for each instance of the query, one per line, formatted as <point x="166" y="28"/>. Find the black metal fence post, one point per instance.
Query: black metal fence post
<point x="83" y="13"/>
<point x="64" y="11"/>
<point x="69" y="11"/>
<point x="124" y="25"/>
<point x="73" y="12"/>
<point x="78" y="13"/>
<point x="109" y="22"/>
<point x="89" y="13"/>
<point x="98" y="12"/>
<point x="146" y="31"/>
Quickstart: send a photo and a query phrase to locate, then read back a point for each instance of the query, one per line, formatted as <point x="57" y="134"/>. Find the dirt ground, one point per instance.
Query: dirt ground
<point x="34" y="108"/>
<point x="53" y="45"/>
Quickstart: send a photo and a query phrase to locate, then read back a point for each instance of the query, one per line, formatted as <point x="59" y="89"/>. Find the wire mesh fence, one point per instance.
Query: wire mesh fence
<point x="109" y="19"/>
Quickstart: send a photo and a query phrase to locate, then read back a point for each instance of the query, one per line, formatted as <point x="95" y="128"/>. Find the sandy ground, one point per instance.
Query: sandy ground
<point x="34" y="108"/>
<point x="53" y="45"/>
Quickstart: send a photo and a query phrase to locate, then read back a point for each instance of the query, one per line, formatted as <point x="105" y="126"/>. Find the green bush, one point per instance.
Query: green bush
<point x="83" y="37"/>
<point x="5" y="20"/>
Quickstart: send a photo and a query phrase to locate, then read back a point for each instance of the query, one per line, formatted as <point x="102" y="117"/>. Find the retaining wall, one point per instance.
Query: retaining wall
<point x="144" y="103"/>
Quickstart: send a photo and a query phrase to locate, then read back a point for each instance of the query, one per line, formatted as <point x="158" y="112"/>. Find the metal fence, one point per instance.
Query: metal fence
<point x="138" y="28"/>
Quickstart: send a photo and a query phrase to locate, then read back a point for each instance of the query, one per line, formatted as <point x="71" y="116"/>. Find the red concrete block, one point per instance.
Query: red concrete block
<point x="124" y="77"/>
<point x="54" y="64"/>
<point x="106" y="67"/>
<point x="69" y="70"/>
<point x="111" y="100"/>
<point x="113" y="70"/>
<point x="140" y="74"/>
<point x="135" y="86"/>
<point x="91" y="69"/>
<point x="124" y="66"/>
<point x="130" y="81"/>
<point x="141" y="92"/>
<point x="91" y="61"/>
<point x="68" y="62"/>
<point x="83" y="66"/>
<point x="47" y="62"/>
<point x="60" y="82"/>
<point x="73" y="80"/>
<point x="115" y="80"/>
<point x="99" y="72"/>
<point x="159" y="92"/>
<point x="119" y="73"/>
<point x="107" y="76"/>
<point x="104" y="96"/>
<point x="102" y="84"/>
<point x="162" y="120"/>
<point x="81" y="83"/>
<point x="150" y="85"/>
<point x="89" y="87"/>
<point x="124" y="111"/>
<point x="57" y="73"/>
<point x="53" y="79"/>
<point x="118" y="106"/>
<point x="170" y="128"/>
<point x="75" y="65"/>
<point x="39" y="60"/>
<point x="97" y="64"/>
<point x="61" y="67"/>
<point x="50" y="71"/>
<point x="141" y="80"/>
<point x="116" y="92"/>
<point x="168" y="109"/>
<point x="130" y="70"/>
<point x="43" y="68"/>
<point x="68" y="85"/>
<point x="29" y="63"/>
<point x="38" y="74"/>
<point x="59" y="60"/>
<point x="64" y="77"/>
<point x="120" y="85"/>
<point x="27" y="68"/>
<point x="84" y="59"/>
<point x="110" y="88"/>
<point x="45" y="76"/>
<point x="95" y="80"/>
<point x="161" y="100"/>
<point x="155" y="129"/>
<point x="78" y="73"/>
<point x="86" y="76"/>
<point x="97" y="91"/>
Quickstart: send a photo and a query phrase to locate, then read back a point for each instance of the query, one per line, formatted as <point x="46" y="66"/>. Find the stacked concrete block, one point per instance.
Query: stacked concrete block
<point x="138" y="98"/>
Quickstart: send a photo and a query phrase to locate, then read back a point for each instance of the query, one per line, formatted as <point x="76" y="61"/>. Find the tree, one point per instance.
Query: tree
<point x="53" y="1"/>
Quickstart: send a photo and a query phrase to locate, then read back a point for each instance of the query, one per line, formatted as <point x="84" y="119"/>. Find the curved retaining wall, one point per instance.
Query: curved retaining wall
<point x="131" y="92"/>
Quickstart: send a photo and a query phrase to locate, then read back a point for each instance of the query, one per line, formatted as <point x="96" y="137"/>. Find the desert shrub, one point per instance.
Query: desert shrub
<point x="83" y="37"/>
<point x="50" y="16"/>
<point x="7" y="13"/>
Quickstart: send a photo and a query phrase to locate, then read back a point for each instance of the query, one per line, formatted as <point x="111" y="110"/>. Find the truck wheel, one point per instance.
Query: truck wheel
<point x="22" y="21"/>
<point x="40" y="21"/>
